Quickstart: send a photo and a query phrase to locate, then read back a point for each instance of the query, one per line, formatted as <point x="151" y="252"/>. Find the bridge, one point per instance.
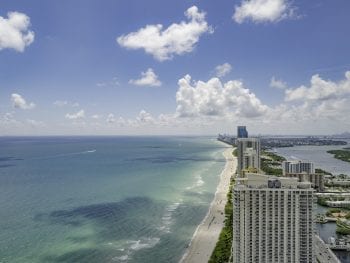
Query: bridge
<point x="323" y="253"/>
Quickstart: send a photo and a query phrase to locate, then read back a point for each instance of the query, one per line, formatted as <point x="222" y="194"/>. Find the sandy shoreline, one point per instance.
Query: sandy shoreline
<point x="207" y="233"/>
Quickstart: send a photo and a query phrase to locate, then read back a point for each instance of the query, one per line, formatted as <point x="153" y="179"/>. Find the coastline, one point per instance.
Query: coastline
<point x="207" y="233"/>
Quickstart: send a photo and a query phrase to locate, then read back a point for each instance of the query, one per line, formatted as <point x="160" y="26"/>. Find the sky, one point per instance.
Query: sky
<point x="107" y="67"/>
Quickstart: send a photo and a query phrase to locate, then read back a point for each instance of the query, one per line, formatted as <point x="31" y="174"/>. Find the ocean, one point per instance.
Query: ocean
<point x="104" y="199"/>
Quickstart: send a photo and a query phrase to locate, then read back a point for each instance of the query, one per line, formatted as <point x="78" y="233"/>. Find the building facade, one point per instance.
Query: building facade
<point x="248" y="154"/>
<point x="317" y="180"/>
<point x="242" y="132"/>
<point x="272" y="220"/>
<point x="296" y="167"/>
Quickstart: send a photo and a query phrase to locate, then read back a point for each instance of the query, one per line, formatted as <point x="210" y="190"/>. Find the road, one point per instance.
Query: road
<point x="323" y="253"/>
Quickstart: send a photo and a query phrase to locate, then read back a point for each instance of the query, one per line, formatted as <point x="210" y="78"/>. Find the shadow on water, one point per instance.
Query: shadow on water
<point x="6" y="165"/>
<point x="128" y="219"/>
<point x="112" y="218"/>
<point x="8" y="159"/>
<point x="80" y="255"/>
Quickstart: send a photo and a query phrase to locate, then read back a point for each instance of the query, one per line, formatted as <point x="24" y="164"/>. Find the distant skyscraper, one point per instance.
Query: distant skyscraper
<point x="248" y="154"/>
<point x="272" y="220"/>
<point x="242" y="132"/>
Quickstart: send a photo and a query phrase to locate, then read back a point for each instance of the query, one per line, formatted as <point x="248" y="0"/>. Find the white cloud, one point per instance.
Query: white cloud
<point x="320" y="90"/>
<point x="121" y="121"/>
<point x="113" y="83"/>
<point x="76" y="116"/>
<point x="148" y="78"/>
<point x="214" y="98"/>
<point x="95" y="116"/>
<point x="110" y="118"/>
<point x="223" y="70"/>
<point x="14" y="31"/>
<point x="101" y="84"/>
<point x="60" y="103"/>
<point x="19" y="102"/>
<point x="145" y="117"/>
<point x="177" y="39"/>
<point x="263" y="11"/>
<point x="35" y="124"/>
<point x="278" y="84"/>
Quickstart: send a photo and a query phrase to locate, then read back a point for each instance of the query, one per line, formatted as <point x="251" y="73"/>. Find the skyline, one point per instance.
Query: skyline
<point x="194" y="67"/>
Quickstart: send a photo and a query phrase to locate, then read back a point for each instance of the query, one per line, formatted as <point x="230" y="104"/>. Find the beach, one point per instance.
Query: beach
<point x="207" y="233"/>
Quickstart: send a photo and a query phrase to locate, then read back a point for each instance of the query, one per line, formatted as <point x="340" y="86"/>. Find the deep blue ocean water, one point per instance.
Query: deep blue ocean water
<point x="104" y="199"/>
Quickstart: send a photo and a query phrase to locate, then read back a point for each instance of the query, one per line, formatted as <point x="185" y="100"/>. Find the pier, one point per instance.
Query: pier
<point x="322" y="219"/>
<point x="339" y="244"/>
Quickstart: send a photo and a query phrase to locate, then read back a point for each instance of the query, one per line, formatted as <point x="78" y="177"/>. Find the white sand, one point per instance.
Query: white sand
<point x="207" y="233"/>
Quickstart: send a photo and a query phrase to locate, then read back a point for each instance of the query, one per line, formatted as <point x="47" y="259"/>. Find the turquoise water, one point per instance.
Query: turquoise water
<point x="104" y="199"/>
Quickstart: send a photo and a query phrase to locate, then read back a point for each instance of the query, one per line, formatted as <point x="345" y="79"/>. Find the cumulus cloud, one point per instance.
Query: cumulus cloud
<point x="278" y="84"/>
<point x="177" y="39"/>
<point x="148" y="78"/>
<point x="222" y="70"/>
<point x="20" y="103"/>
<point x="320" y="90"/>
<point x="263" y="11"/>
<point x="145" y="117"/>
<point x="214" y="98"/>
<point x="14" y="32"/>
<point x="110" y="118"/>
<point x="76" y="116"/>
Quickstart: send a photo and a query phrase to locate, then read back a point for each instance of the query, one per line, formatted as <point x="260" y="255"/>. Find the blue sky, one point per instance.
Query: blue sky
<point x="174" y="67"/>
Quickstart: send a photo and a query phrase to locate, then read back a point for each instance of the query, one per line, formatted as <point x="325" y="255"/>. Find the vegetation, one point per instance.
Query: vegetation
<point x="333" y="210"/>
<point x="322" y="201"/>
<point x="271" y="163"/>
<point x="267" y="166"/>
<point x="277" y="158"/>
<point x="234" y="153"/>
<point x="343" y="155"/>
<point x="347" y="215"/>
<point x="320" y="171"/>
<point x="342" y="227"/>
<point x="222" y="250"/>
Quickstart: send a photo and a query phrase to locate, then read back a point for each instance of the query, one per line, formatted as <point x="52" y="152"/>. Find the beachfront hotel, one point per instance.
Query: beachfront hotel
<point x="272" y="220"/>
<point x="248" y="154"/>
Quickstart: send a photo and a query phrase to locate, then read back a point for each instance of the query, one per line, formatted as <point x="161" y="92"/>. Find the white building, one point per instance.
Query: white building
<point x="248" y="154"/>
<point x="296" y="167"/>
<point x="272" y="220"/>
<point x="316" y="180"/>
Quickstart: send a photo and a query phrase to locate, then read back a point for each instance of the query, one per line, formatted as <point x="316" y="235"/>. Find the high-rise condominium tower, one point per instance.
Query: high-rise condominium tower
<point x="242" y="132"/>
<point x="248" y="154"/>
<point x="272" y="220"/>
<point x="295" y="167"/>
